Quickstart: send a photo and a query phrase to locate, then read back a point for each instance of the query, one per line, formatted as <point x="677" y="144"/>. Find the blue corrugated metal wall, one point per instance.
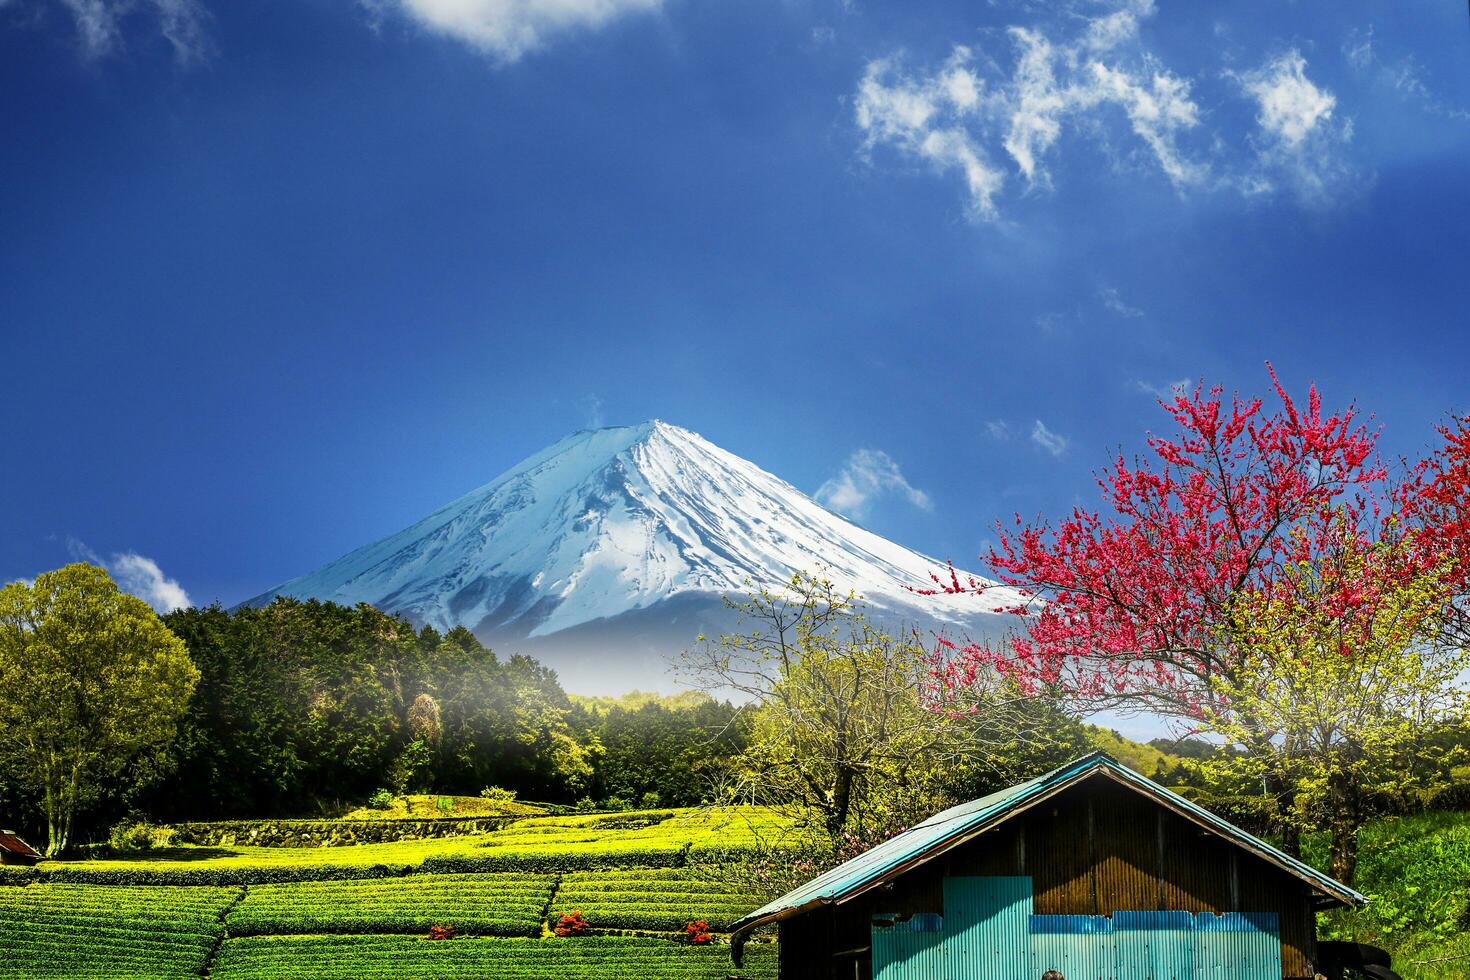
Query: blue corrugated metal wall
<point x="912" y="950"/>
<point x="989" y="933"/>
<point x="1238" y="946"/>
<point x="985" y="923"/>
<point x="1154" y="945"/>
<point x="1080" y="946"/>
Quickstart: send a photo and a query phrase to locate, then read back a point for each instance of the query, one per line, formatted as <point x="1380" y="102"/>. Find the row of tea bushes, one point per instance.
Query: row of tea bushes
<point x="86" y="932"/>
<point x="332" y="833"/>
<point x="404" y="958"/>
<point x="652" y="899"/>
<point x="497" y="905"/>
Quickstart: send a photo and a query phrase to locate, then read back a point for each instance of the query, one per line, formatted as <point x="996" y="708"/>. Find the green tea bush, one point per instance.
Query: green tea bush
<point x="498" y="905"/>
<point x="404" y="958"/>
<point x="82" y="931"/>
<point x="654" y="899"/>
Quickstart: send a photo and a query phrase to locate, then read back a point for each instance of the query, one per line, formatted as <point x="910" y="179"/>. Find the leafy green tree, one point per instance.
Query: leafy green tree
<point x="839" y="723"/>
<point x="1339" y="682"/>
<point x="93" y="679"/>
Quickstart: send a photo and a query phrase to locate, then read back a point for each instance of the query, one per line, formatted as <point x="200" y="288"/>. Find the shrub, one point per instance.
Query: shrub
<point x="696" y="933"/>
<point x="572" y="924"/>
<point x="130" y="836"/>
<point x="497" y="795"/>
<point x="441" y="932"/>
<point x="444" y="804"/>
<point x="382" y="799"/>
<point x="1253" y="814"/>
<point x="650" y="801"/>
<point x="1455" y="796"/>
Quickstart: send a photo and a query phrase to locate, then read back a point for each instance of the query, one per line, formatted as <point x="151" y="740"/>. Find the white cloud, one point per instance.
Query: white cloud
<point x="1291" y="106"/>
<point x="508" y="29"/>
<point x="950" y="115"/>
<point x="1298" y="143"/>
<point x="138" y="575"/>
<point x="870" y="474"/>
<point x="1164" y="392"/>
<point x="1052" y="442"/>
<point x="99" y="25"/>
<point x="991" y="114"/>
<point x="894" y="109"/>
<point x="143" y="578"/>
<point x="1113" y="302"/>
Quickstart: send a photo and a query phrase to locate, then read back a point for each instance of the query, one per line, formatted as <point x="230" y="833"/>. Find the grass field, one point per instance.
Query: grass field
<point x="1417" y="871"/>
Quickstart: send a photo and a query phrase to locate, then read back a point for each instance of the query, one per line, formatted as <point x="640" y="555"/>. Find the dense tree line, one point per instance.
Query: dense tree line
<point x="301" y="708"/>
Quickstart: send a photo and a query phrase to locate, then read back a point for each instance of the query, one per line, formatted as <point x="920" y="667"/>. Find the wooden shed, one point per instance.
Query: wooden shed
<point x="13" y="850"/>
<point x="1092" y="870"/>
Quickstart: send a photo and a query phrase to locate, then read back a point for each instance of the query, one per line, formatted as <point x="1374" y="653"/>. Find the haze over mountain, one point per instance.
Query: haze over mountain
<point x="609" y="551"/>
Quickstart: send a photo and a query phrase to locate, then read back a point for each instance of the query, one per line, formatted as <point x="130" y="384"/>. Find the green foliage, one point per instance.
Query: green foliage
<point x="1454" y="796"/>
<point x="140" y="836"/>
<point x="498" y="796"/>
<point x="496" y="905"/>
<point x="76" y="931"/>
<point x="1416" y="870"/>
<point x="403" y="958"/>
<point x="308" y="703"/>
<point x="1253" y="814"/>
<point x="1142" y="758"/>
<point x="93" y="681"/>
<point x="381" y="799"/>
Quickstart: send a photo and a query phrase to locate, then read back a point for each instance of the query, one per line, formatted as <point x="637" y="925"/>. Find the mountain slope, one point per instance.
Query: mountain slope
<point x="622" y="540"/>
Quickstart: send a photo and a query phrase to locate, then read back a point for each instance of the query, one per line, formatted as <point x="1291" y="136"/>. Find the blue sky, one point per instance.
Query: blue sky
<point x="278" y="278"/>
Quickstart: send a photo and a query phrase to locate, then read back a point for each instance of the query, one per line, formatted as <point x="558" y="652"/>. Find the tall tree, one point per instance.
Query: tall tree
<point x="1135" y="605"/>
<point x="839" y="725"/>
<point x="92" y="680"/>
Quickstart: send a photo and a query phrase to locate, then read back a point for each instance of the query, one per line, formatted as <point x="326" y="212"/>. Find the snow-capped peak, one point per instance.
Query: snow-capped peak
<point x="610" y="521"/>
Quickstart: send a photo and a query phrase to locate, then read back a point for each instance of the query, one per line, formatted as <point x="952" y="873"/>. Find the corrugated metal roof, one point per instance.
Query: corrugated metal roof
<point x="10" y="842"/>
<point x="959" y="823"/>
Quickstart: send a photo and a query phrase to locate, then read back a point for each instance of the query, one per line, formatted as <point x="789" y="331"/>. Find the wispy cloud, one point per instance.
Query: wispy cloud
<point x="592" y="408"/>
<point x="1403" y="75"/>
<point x="136" y="574"/>
<point x="998" y="117"/>
<point x="1000" y="430"/>
<point x="1051" y="442"/>
<point x="1166" y="392"/>
<point x="1113" y="302"/>
<point x="869" y="475"/>
<point x="507" y="30"/>
<point x="100" y="25"/>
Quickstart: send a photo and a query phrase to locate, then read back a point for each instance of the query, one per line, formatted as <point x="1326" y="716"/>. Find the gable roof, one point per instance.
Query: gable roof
<point x="10" y="842"/>
<point x="950" y="828"/>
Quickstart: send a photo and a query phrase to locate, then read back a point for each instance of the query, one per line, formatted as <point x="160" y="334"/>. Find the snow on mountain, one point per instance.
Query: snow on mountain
<point x="619" y="522"/>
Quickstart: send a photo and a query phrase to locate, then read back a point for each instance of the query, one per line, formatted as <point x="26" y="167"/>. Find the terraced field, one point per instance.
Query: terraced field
<point x="402" y="958"/>
<point x="84" y="931"/>
<point x="364" y="911"/>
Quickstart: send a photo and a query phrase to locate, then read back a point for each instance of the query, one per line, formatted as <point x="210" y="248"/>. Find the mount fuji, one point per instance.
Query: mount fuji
<point x="609" y="551"/>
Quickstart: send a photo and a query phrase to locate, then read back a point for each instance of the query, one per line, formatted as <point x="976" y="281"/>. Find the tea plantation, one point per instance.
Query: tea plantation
<point x="365" y="911"/>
